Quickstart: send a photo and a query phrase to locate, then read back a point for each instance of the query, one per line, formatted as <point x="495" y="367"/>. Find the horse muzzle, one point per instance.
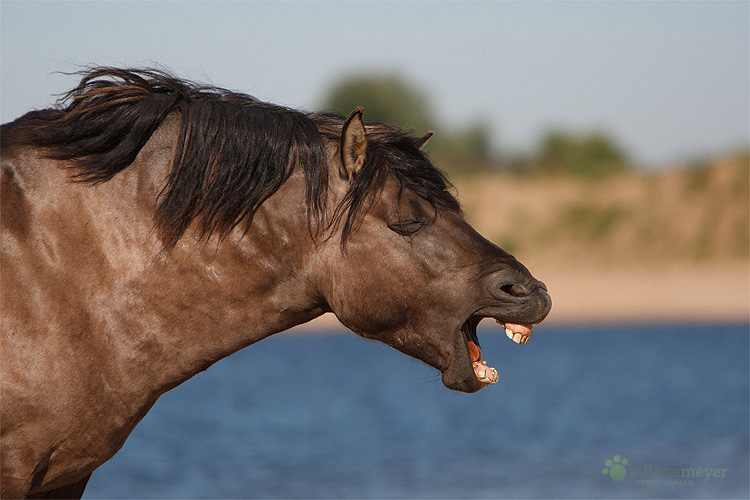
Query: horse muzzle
<point x="516" y="307"/>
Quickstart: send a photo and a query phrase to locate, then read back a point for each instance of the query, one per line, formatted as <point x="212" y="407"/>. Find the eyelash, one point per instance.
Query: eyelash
<point x="407" y="227"/>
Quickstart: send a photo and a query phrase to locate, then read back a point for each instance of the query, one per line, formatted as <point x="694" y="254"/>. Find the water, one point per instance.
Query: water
<point x="335" y="416"/>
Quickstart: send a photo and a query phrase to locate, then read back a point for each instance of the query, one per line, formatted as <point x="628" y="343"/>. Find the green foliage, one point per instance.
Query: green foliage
<point x="592" y="222"/>
<point x="471" y="145"/>
<point x="386" y="99"/>
<point x="593" y="156"/>
<point x="391" y="99"/>
<point x="696" y="177"/>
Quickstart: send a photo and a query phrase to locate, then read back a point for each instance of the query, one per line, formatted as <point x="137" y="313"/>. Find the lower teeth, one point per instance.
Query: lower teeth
<point x="486" y="374"/>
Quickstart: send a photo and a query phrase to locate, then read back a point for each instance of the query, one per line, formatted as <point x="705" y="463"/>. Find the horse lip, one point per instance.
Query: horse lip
<point x="498" y="292"/>
<point x="458" y="373"/>
<point x="539" y="305"/>
<point x="460" y="376"/>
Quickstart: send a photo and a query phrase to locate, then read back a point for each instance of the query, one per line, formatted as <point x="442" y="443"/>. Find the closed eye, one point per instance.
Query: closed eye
<point x="407" y="227"/>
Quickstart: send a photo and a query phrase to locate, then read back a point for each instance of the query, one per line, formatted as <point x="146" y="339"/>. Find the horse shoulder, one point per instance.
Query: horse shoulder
<point x="61" y="255"/>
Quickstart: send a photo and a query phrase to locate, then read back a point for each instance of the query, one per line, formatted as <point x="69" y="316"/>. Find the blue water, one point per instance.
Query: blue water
<point x="336" y="416"/>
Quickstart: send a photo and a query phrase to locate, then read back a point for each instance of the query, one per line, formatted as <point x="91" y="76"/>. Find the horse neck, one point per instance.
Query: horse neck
<point x="154" y="318"/>
<point x="207" y="299"/>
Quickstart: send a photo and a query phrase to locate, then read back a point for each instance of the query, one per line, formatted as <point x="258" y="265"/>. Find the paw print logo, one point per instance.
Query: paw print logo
<point x="615" y="468"/>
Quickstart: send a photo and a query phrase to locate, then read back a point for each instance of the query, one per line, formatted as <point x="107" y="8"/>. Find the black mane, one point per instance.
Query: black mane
<point x="233" y="152"/>
<point x="390" y="151"/>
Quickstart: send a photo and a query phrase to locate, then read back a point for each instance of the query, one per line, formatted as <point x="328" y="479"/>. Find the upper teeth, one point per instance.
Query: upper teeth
<point x="516" y="337"/>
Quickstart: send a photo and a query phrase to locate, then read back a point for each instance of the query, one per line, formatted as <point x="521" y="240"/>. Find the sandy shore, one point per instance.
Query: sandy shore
<point x="715" y="292"/>
<point x="707" y="293"/>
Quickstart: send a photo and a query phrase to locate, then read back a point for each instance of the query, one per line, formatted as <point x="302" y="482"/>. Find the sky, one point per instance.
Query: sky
<point x="670" y="81"/>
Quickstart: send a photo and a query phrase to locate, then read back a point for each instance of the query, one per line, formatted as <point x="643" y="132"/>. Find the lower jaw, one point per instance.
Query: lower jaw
<point x="463" y="382"/>
<point x="483" y="373"/>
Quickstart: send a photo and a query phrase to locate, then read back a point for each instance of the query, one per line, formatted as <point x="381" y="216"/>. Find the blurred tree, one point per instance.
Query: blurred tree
<point x="593" y="156"/>
<point x="386" y="98"/>
<point x="389" y="98"/>
<point x="469" y="146"/>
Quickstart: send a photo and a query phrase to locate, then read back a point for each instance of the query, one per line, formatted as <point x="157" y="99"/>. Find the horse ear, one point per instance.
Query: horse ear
<point x="423" y="140"/>
<point x="353" y="144"/>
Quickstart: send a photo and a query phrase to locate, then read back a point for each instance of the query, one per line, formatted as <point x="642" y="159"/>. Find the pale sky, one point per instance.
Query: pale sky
<point x="669" y="80"/>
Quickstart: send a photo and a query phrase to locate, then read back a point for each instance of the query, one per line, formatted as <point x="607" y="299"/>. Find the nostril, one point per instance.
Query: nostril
<point x="515" y="289"/>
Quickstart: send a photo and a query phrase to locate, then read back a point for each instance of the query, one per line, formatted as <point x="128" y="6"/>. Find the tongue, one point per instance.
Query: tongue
<point x="476" y="353"/>
<point x="486" y="374"/>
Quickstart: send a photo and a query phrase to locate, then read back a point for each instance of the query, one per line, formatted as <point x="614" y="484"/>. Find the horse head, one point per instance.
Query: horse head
<point x="405" y="268"/>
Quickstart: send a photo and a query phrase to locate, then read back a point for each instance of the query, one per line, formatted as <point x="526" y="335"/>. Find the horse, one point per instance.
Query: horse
<point x="152" y="226"/>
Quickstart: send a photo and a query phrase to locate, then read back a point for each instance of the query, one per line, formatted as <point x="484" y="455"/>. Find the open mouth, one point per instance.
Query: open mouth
<point x="487" y="375"/>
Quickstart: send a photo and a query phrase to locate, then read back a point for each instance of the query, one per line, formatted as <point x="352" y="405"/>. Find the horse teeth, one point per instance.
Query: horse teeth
<point x="516" y="337"/>
<point x="490" y="378"/>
